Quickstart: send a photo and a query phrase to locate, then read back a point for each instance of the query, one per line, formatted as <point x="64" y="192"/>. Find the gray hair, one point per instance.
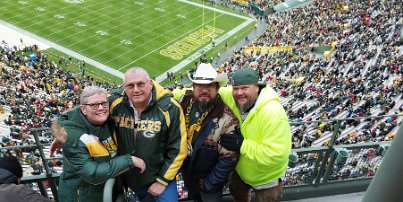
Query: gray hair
<point x="90" y="91"/>
<point x="136" y="71"/>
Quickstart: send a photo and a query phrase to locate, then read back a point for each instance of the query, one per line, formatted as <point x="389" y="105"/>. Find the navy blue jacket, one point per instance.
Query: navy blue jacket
<point x="209" y="161"/>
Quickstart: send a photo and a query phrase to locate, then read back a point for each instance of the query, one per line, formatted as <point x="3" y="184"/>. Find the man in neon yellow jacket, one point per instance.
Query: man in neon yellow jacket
<point x="266" y="145"/>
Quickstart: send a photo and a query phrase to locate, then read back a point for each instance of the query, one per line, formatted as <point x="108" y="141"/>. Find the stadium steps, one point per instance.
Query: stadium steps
<point x="330" y="65"/>
<point x="372" y="61"/>
<point x="346" y="131"/>
<point x="347" y="69"/>
<point x="399" y="103"/>
<point x="285" y="100"/>
<point x="297" y="105"/>
<point x="325" y="136"/>
<point x="5" y="129"/>
<point x="341" y="115"/>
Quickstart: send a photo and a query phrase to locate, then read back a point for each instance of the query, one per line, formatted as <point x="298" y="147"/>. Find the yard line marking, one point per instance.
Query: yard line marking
<point x="153" y="38"/>
<point x="103" y="24"/>
<point x="230" y="33"/>
<point x="66" y="50"/>
<point x="56" y="11"/>
<point x="137" y="36"/>
<point x="159" y="48"/>
<point x="191" y="58"/>
<point x="120" y="74"/>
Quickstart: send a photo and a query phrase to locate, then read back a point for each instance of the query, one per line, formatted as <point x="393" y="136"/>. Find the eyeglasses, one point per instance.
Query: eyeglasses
<point x="141" y="84"/>
<point x="209" y="86"/>
<point x="95" y="106"/>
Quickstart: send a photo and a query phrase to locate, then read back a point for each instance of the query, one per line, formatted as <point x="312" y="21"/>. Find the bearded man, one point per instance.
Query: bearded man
<point x="208" y="165"/>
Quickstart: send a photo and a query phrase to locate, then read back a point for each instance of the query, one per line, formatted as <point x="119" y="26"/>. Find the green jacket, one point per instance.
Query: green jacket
<point x="159" y="138"/>
<point x="87" y="158"/>
<point x="267" y="138"/>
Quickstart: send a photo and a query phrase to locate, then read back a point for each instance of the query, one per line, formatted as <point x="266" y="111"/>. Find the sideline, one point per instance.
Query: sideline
<point x="196" y="55"/>
<point x="14" y="38"/>
<point x="215" y="9"/>
<point x="30" y="38"/>
<point x="46" y="43"/>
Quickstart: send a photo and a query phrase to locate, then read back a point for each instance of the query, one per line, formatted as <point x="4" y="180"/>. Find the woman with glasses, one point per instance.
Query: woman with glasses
<point x="89" y="150"/>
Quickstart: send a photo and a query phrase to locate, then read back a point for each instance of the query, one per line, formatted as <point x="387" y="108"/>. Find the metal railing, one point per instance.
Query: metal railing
<point x="48" y="176"/>
<point x="312" y="172"/>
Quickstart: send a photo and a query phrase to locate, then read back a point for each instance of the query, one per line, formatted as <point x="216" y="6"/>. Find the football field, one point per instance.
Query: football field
<point x="154" y="34"/>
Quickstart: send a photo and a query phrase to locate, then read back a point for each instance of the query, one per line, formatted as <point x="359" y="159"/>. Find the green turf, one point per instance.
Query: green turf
<point x="75" y="66"/>
<point x="148" y="26"/>
<point x="209" y="54"/>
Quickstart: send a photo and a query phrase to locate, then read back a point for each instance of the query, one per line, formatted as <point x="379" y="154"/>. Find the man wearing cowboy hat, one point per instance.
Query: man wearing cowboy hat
<point x="266" y="145"/>
<point x="207" y="119"/>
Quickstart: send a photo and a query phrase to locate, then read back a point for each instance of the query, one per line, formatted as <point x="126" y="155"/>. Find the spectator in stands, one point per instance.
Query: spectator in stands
<point x="345" y="73"/>
<point x="10" y="178"/>
<point x="366" y="55"/>
<point x="207" y="120"/>
<point x="89" y="149"/>
<point x="150" y="124"/>
<point x="267" y="138"/>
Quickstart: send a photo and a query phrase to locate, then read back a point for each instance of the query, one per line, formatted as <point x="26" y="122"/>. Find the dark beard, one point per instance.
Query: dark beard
<point x="241" y="108"/>
<point x="204" y="106"/>
<point x="246" y="107"/>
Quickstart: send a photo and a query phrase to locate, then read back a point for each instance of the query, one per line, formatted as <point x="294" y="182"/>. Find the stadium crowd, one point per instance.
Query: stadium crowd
<point x="34" y="91"/>
<point x="363" y="77"/>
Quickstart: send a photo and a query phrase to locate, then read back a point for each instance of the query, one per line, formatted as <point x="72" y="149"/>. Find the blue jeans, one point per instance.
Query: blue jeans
<point x="169" y="195"/>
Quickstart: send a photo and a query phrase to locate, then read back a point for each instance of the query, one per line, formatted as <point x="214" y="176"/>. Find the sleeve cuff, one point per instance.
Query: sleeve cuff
<point x="129" y="159"/>
<point x="162" y="181"/>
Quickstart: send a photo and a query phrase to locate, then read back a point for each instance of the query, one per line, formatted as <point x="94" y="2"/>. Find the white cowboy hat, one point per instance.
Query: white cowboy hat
<point x="206" y="74"/>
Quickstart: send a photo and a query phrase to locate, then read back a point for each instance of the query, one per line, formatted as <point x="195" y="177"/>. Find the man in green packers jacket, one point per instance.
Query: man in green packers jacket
<point x="266" y="145"/>
<point x="88" y="149"/>
<point x="150" y="124"/>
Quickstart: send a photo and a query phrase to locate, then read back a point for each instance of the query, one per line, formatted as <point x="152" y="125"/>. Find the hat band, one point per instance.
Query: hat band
<point x="203" y="78"/>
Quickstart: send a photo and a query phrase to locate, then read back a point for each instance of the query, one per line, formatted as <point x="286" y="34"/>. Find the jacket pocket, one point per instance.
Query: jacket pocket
<point x="206" y="159"/>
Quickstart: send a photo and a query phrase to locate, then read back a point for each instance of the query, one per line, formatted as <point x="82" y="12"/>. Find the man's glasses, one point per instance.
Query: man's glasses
<point x="210" y="86"/>
<point x="95" y="106"/>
